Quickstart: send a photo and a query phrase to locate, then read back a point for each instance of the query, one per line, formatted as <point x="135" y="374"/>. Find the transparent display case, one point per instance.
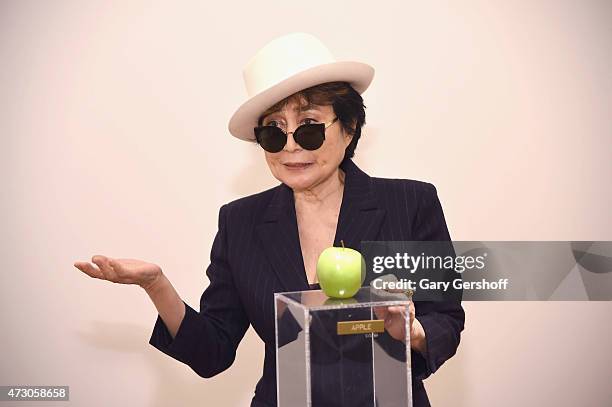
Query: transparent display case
<point x="336" y="352"/>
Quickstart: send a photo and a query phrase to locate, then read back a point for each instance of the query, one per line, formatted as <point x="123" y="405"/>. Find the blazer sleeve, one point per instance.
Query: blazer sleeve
<point x="207" y="340"/>
<point x="442" y="321"/>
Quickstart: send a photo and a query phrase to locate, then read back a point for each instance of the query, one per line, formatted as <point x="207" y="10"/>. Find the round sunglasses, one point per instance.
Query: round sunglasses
<point x="309" y="136"/>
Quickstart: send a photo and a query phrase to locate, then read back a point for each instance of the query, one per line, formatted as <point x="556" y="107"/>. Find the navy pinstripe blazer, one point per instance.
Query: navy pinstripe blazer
<point x="256" y="253"/>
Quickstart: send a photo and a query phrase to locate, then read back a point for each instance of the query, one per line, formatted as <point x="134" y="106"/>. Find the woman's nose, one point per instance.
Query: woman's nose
<point x="291" y="144"/>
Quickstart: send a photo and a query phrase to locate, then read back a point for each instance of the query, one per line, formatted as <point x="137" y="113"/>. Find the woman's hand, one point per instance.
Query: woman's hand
<point x="395" y="324"/>
<point x="122" y="271"/>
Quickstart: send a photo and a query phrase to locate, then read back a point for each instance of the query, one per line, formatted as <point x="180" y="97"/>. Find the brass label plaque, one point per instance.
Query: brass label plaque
<point x="361" y="327"/>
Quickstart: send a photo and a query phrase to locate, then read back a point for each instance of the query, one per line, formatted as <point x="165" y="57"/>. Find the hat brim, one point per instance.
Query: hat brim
<point x="359" y="75"/>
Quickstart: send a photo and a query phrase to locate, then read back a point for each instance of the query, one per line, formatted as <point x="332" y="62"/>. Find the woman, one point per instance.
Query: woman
<point x="306" y="112"/>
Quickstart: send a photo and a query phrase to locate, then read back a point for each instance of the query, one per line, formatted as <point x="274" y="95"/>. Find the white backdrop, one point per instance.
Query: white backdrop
<point x="113" y="123"/>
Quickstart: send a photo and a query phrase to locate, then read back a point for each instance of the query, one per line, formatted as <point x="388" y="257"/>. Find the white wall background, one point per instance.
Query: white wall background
<point x="113" y="137"/>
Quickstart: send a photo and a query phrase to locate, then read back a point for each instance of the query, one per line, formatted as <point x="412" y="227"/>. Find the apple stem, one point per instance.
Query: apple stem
<point x="342" y="242"/>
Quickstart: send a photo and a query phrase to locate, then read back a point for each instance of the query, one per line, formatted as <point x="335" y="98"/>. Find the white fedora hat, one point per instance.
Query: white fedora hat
<point x="285" y="66"/>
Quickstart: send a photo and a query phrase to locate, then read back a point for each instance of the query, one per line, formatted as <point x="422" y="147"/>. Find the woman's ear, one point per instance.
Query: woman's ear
<point x="348" y="136"/>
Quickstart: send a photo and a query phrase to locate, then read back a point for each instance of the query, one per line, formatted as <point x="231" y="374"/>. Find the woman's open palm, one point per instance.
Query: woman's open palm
<point x="122" y="271"/>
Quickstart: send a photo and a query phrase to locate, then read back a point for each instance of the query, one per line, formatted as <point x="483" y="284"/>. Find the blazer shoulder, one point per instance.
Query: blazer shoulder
<point x="403" y="184"/>
<point x="250" y="204"/>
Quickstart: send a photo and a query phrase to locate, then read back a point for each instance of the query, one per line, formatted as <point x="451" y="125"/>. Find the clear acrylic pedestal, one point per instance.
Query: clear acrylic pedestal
<point x="336" y="352"/>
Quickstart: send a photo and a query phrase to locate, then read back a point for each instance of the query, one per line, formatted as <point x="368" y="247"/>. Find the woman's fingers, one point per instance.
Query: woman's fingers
<point x="387" y="313"/>
<point x="411" y="311"/>
<point x="105" y="268"/>
<point x="381" y="312"/>
<point x="88" y="269"/>
<point x="397" y="309"/>
<point x="395" y="317"/>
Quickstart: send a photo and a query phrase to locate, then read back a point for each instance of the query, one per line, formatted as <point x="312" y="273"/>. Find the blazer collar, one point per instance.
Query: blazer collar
<point x="359" y="220"/>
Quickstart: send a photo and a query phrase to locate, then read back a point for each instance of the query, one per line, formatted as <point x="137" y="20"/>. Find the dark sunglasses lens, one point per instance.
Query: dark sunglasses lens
<point x="271" y="138"/>
<point x="310" y="136"/>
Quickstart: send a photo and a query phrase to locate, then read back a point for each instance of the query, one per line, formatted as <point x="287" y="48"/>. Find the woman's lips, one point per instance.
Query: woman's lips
<point x="297" y="166"/>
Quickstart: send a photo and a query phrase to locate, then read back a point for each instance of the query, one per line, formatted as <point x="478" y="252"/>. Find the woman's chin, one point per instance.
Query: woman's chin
<point x="297" y="182"/>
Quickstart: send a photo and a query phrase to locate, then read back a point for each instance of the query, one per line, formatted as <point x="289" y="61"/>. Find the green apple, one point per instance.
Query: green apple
<point x="341" y="271"/>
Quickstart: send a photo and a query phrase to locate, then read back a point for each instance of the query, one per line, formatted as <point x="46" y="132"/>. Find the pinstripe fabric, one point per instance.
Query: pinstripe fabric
<point x="256" y="253"/>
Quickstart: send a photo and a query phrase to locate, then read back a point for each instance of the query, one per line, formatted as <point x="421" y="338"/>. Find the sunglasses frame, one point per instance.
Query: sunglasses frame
<point x="258" y="129"/>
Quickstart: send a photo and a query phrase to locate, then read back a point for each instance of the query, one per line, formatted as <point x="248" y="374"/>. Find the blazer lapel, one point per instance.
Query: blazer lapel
<point x="279" y="237"/>
<point x="360" y="214"/>
<point x="359" y="220"/>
